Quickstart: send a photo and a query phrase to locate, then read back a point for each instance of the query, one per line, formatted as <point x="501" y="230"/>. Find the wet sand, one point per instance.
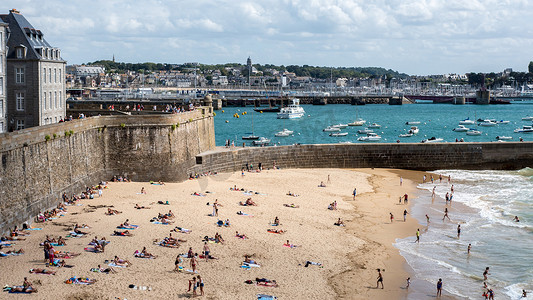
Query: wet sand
<point x="350" y="255"/>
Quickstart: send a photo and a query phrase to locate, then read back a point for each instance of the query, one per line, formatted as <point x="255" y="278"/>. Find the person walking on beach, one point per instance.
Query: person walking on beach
<point x="427" y="219"/>
<point x="440" y="178"/>
<point x="200" y="284"/>
<point x="459" y="231"/>
<point x="401" y="181"/>
<point x="194" y="262"/>
<point x="354" y="193"/>
<point x="424" y="179"/>
<point x="408" y="283"/>
<point x="405" y="199"/>
<point x="380" y="279"/>
<point x="469" y="248"/>
<point x="432" y="179"/>
<point x="446" y="214"/>
<point x="192" y="283"/>
<point x="418" y="236"/>
<point x="391" y="217"/>
<point x="433" y="193"/>
<point x="439" y="287"/>
<point x="404" y="214"/>
<point x="329" y="180"/>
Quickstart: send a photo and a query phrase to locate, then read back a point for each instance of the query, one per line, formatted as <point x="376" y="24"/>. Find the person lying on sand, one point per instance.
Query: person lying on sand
<point x="266" y="282"/>
<point x="137" y="206"/>
<point x="143" y="254"/>
<point x="107" y="270"/>
<point x="241" y="236"/>
<point x="248" y="259"/>
<point x="248" y="202"/>
<point x="12" y="238"/>
<point x="12" y="252"/>
<point x="163" y="203"/>
<point x="111" y="212"/>
<point x="339" y="223"/>
<point x="333" y="205"/>
<point x="278" y="231"/>
<point x="181" y="229"/>
<point x="292" y="194"/>
<point x="26" y="287"/>
<point x="198" y="194"/>
<point x="292" y="205"/>
<point x="121" y="262"/>
<point x="322" y="184"/>
<point x="42" y="271"/>
<point x="122" y="233"/>
<point x="288" y="244"/>
<point x="61" y="254"/>
<point x="307" y="263"/>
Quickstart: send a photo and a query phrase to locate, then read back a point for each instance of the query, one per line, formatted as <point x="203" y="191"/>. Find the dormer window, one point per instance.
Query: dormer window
<point x="20" y="51"/>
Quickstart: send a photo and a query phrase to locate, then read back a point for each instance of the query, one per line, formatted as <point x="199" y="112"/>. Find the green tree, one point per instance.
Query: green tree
<point x="530" y="67"/>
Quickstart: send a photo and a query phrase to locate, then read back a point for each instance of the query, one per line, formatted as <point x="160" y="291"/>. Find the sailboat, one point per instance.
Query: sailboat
<point x="251" y="135"/>
<point x="358" y="121"/>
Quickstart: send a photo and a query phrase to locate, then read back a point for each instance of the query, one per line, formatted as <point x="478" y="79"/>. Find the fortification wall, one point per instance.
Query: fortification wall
<point x="505" y="156"/>
<point x="37" y="168"/>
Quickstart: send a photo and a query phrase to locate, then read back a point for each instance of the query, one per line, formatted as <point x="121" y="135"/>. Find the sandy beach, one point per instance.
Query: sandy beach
<point x="349" y="255"/>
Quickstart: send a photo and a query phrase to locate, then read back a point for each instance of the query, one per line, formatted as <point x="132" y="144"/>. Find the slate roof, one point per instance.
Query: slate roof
<point x="20" y="28"/>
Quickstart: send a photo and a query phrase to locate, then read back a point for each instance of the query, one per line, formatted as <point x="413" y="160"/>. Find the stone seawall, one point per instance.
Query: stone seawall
<point x="474" y="156"/>
<point x="37" y="168"/>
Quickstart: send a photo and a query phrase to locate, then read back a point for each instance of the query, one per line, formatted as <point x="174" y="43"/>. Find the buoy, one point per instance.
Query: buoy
<point x="222" y="110"/>
<point x="261" y="112"/>
<point x="227" y="121"/>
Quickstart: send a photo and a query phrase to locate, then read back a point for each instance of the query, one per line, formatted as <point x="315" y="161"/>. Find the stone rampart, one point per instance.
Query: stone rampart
<point x="38" y="167"/>
<point x="475" y="156"/>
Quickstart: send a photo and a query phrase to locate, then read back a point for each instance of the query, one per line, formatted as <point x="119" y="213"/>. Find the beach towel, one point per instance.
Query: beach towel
<point x="85" y="281"/>
<point x="56" y="245"/>
<point x="91" y="249"/>
<point x="112" y="264"/>
<point x="157" y="222"/>
<point x="265" y="297"/>
<point x="251" y="265"/>
<point x="34" y="229"/>
<point x="2" y="254"/>
<point x="132" y="227"/>
<point x="273" y="231"/>
<point x="289" y="246"/>
<point x="76" y="235"/>
<point x="188" y="271"/>
<point x="10" y="289"/>
<point x="100" y="241"/>
<point x="244" y="214"/>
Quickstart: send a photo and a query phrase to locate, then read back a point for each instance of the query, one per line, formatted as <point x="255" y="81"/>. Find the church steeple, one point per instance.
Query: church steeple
<point x="113" y="57"/>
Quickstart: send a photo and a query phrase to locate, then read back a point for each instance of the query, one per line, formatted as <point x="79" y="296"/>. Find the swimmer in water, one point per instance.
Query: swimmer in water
<point x="516" y="219"/>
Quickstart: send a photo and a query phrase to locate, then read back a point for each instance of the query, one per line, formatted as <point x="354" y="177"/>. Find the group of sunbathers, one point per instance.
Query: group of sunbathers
<point x="164" y="218"/>
<point x="196" y="176"/>
<point x="170" y="242"/>
<point x="248" y="202"/>
<point x="111" y="212"/>
<point x="26" y="287"/>
<point x="217" y="239"/>
<point x="143" y="254"/>
<point x="120" y="179"/>
<point x="333" y="205"/>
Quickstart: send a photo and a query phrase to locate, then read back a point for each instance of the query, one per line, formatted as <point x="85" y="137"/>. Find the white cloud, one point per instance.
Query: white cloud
<point x="413" y="36"/>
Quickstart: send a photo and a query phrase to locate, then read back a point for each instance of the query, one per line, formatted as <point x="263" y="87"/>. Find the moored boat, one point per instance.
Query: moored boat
<point x="370" y="137"/>
<point x="331" y="129"/>
<point x="461" y="128"/>
<point x="501" y="137"/>
<point x="467" y="121"/>
<point x="432" y="140"/>
<point x="365" y="131"/>
<point x="412" y="123"/>
<point x="374" y="125"/>
<point x="262" y="141"/>
<point x="413" y="130"/>
<point x="358" y="122"/>
<point x="293" y="111"/>
<point x="338" y="134"/>
<point x="524" y="129"/>
<point x="473" y="132"/>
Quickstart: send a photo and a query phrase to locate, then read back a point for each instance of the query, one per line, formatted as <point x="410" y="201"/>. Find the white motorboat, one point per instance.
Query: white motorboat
<point x="473" y="132"/>
<point x="338" y="134"/>
<point x="432" y="140"/>
<point x="501" y="137"/>
<point x="488" y="123"/>
<point x="467" y="121"/>
<point x="503" y="122"/>
<point x="331" y="129"/>
<point x="293" y="111"/>
<point x="528" y="118"/>
<point x="524" y="129"/>
<point x="406" y="135"/>
<point x="461" y="128"/>
<point x="358" y="122"/>
<point x="284" y="132"/>
<point x="370" y="137"/>
<point x="413" y="130"/>
<point x="262" y="141"/>
<point x="374" y="125"/>
<point x="365" y="131"/>
<point x="341" y="126"/>
<point x="412" y="123"/>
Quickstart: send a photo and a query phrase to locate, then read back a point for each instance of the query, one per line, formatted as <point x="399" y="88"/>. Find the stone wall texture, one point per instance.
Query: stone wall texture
<point x="34" y="171"/>
<point x="473" y="156"/>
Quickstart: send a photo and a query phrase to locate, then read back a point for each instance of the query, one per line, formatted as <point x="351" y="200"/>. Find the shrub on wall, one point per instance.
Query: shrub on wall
<point x="47" y="137"/>
<point x="122" y="125"/>
<point x="54" y="135"/>
<point x="173" y="127"/>
<point x="67" y="134"/>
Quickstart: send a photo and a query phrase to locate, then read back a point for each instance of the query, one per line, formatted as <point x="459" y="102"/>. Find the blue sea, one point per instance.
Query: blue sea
<point x="437" y="120"/>
<point x="484" y="203"/>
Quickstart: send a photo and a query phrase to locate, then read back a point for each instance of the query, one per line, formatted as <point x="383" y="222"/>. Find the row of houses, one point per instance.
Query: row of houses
<point x="32" y="76"/>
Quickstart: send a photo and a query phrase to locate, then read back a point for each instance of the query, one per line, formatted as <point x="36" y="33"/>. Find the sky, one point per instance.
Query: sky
<point x="417" y="37"/>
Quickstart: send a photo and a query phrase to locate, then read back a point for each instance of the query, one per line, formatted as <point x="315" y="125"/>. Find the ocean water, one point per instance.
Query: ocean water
<point x="484" y="204"/>
<point x="437" y="120"/>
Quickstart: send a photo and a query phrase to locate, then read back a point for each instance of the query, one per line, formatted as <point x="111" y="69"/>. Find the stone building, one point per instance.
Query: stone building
<point x="35" y="76"/>
<point x="3" y="63"/>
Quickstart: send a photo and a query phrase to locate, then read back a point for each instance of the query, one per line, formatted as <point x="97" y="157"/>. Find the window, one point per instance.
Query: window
<point x="1" y="62"/>
<point x="20" y="101"/>
<point x="1" y="126"/>
<point x="20" y="124"/>
<point x="44" y="100"/>
<point x="19" y="73"/>
<point x="20" y="52"/>
<point x="50" y="74"/>
<point x="1" y="46"/>
<point x="44" y="75"/>
<point x="59" y="99"/>
<point x="50" y="100"/>
<point x="1" y="86"/>
<point x="1" y="110"/>
<point x="55" y="99"/>
<point x="60" y="79"/>
<point x="55" y="75"/>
